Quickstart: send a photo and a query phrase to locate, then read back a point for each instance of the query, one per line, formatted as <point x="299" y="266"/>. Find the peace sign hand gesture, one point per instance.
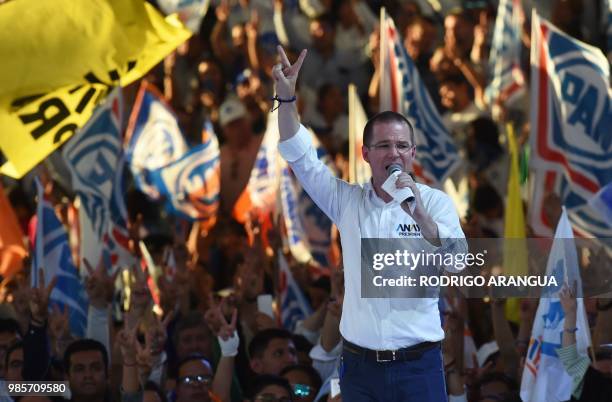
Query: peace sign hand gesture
<point x="39" y="299"/>
<point x="285" y="74"/>
<point x="227" y="335"/>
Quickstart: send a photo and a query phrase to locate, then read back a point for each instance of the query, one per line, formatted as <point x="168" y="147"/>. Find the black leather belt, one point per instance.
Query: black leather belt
<point x="405" y="354"/>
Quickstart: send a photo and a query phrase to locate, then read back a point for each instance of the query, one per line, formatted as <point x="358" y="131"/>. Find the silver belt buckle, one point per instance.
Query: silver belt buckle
<point x="379" y="360"/>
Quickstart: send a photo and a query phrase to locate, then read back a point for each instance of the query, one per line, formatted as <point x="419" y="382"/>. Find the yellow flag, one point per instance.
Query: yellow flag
<point x="60" y="57"/>
<point x="515" y="246"/>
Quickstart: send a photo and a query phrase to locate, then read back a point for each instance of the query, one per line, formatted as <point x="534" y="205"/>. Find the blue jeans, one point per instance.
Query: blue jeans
<point x="419" y="380"/>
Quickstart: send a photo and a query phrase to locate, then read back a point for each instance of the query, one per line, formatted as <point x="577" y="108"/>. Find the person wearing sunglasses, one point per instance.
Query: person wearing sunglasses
<point x="305" y="382"/>
<point x="194" y="381"/>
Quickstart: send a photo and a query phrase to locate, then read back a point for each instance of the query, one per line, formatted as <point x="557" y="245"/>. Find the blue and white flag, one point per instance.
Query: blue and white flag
<point x="609" y="32"/>
<point x="571" y="116"/>
<point x="402" y="90"/>
<point x="154" y="138"/>
<point x="294" y="306"/>
<point x="308" y="228"/>
<point x="602" y="202"/>
<point x="52" y="255"/>
<point x="118" y="237"/>
<point x="191" y="184"/>
<point x="507" y="80"/>
<point x="544" y="377"/>
<point x="94" y="156"/>
<point x="260" y="195"/>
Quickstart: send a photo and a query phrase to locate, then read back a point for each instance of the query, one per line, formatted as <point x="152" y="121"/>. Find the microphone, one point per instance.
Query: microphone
<point x="398" y="194"/>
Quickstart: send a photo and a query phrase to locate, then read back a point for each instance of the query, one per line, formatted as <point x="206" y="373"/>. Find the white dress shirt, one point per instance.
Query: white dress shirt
<point x="379" y="324"/>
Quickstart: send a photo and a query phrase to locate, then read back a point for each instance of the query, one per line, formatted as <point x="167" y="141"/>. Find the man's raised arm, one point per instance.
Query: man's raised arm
<point x="285" y="76"/>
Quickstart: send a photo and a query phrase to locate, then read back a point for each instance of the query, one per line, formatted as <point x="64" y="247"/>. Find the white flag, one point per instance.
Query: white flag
<point x="544" y="377"/>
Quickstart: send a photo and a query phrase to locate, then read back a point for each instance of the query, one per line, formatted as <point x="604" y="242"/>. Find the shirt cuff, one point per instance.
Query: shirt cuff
<point x="295" y="147"/>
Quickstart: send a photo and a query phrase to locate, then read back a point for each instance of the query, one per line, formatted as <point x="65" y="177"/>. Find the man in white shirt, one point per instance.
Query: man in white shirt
<point x="391" y="346"/>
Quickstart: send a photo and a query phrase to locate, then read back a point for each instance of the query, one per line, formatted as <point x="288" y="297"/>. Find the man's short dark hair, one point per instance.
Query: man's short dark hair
<point x="262" y="339"/>
<point x="10" y="325"/>
<point x="85" y="345"/>
<point x="310" y="371"/>
<point x="264" y="380"/>
<point x="385" y="117"/>
<point x="497" y="377"/>
<point x="191" y="320"/>
<point x="191" y="357"/>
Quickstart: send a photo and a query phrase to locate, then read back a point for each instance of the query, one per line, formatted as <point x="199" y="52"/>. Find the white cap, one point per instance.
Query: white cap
<point x="230" y="110"/>
<point x="486" y="351"/>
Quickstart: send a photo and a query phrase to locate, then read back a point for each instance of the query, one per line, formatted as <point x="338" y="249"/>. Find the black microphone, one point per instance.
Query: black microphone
<point x="404" y="193"/>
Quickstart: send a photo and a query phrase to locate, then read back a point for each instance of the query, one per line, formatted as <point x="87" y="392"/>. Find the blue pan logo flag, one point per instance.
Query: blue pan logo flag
<point x="191" y="184"/>
<point x="154" y="138"/>
<point x="571" y="119"/>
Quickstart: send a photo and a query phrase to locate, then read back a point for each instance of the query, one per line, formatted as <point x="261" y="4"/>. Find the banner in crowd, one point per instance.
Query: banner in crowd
<point x="570" y="125"/>
<point x="94" y="158"/>
<point x="57" y="66"/>
<point x="52" y="255"/>
<point x="153" y="137"/>
<point x="507" y="79"/>
<point x="190" y="12"/>
<point x="190" y="185"/>
<point x="515" y="251"/>
<point x="12" y="249"/>
<point x="544" y="377"/>
<point x="260" y="194"/>
<point x="402" y="90"/>
<point x="359" y="170"/>
<point x="294" y="306"/>
<point x="602" y="202"/>
<point x="308" y="228"/>
<point x="609" y="32"/>
<point x="117" y="240"/>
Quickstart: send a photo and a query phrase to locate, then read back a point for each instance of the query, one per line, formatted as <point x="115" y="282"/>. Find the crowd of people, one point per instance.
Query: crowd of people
<point x="206" y="338"/>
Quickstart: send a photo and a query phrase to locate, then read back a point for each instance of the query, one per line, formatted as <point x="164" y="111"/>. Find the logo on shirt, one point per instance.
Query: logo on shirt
<point x="408" y="230"/>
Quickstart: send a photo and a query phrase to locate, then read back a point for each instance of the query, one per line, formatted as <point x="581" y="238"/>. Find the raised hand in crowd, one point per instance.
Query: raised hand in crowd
<point x="39" y="299"/>
<point x="99" y="285"/>
<point x="134" y="229"/>
<point x="228" y="339"/>
<point x="567" y="297"/>
<point x="140" y="296"/>
<point x="130" y="350"/>
<point x="59" y="329"/>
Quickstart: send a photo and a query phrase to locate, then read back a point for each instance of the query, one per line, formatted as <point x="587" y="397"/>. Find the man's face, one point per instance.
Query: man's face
<point x="493" y="391"/>
<point x="6" y="340"/>
<point x="194" y="381"/>
<point x="273" y="392"/>
<point x="279" y="354"/>
<point x="15" y="364"/>
<point x="193" y="341"/>
<point x="86" y="374"/>
<point x="249" y="279"/>
<point x="390" y="143"/>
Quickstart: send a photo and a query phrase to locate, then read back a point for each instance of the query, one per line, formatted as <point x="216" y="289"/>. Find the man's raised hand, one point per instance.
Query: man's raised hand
<point x="285" y="74"/>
